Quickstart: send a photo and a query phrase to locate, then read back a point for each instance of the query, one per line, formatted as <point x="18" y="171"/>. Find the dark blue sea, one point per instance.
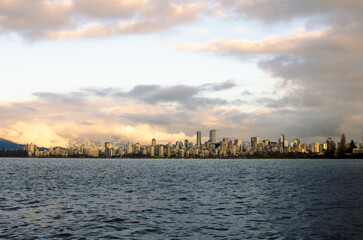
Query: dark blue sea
<point x="181" y="199"/>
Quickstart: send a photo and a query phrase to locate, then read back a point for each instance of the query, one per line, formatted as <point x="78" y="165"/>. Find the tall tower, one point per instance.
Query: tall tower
<point x="282" y="140"/>
<point x="199" y="138"/>
<point x="213" y="136"/>
<point x="186" y="143"/>
<point x="107" y="148"/>
<point x="153" y="142"/>
<point x="329" y="144"/>
<point x="129" y="148"/>
<point x="255" y="141"/>
<point x="343" y="142"/>
<point x="161" y="150"/>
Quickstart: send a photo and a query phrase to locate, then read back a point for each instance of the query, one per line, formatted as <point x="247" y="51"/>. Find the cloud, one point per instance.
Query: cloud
<point x="283" y="10"/>
<point x="109" y="9"/>
<point x="94" y="116"/>
<point x="157" y="93"/>
<point x="198" y="31"/>
<point x="54" y="124"/>
<point x="318" y="67"/>
<point x="71" y="98"/>
<point x="270" y="45"/>
<point x="229" y="84"/>
<point x="72" y="19"/>
<point x="49" y="121"/>
<point x="161" y="119"/>
<point x="31" y="18"/>
<point x="246" y="93"/>
<point x="33" y="132"/>
<point x="190" y="97"/>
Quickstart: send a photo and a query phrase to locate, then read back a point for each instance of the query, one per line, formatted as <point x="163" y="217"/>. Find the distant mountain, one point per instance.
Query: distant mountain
<point x="8" y="145"/>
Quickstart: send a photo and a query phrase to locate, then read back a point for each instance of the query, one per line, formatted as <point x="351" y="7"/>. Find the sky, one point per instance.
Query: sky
<point x="90" y="71"/>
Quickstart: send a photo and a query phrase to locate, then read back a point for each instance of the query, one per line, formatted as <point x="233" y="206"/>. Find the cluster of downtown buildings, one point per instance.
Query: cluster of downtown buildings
<point x="186" y="149"/>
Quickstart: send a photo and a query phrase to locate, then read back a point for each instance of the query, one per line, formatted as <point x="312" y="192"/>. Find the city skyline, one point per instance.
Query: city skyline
<point x="213" y="138"/>
<point x="129" y="71"/>
<point x="211" y="148"/>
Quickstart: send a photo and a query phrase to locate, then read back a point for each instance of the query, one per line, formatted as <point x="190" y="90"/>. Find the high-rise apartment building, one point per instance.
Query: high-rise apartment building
<point x="315" y="147"/>
<point x="282" y="140"/>
<point x="107" y="148"/>
<point x="286" y="143"/>
<point x="152" y="151"/>
<point x="238" y="142"/>
<point x="82" y="149"/>
<point x="129" y="148"/>
<point x="255" y="141"/>
<point x="213" y="136"/>
<point x="199" y="138"/>
<point x="329" y="144"/>
<point x="137" y="147"/>
<point x="186" y="143"/>
<point x="161" y="150"/>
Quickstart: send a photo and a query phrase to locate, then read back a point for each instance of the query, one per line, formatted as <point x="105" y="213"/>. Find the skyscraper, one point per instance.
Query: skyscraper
<point x="153" y="142"/>
<point x="213" y="136"/>
<point x="343" y="143"/>
<point x="282" y="140"/>
<point x="329" y="144"/>
<point x="255" y="141"/>
<point x="238" y="142"/>
<point x="129" y="148"/>
<point x="161" y="150"/>
<point x="82" y="149"/>
<point x="107" y="148"/>
<point x="137" y="147"/>
<point x="186" y="143"/>
<point x="199" y="138"/>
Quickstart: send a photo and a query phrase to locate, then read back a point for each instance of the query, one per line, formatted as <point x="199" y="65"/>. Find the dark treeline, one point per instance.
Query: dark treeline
<point x="14" y="153"/>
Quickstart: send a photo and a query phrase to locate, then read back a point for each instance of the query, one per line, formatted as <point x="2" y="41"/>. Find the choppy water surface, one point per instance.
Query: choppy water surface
<point x="181" y="199"/>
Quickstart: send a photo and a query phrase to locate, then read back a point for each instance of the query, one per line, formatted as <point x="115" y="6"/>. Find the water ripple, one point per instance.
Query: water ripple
<point x="181" y="199"/>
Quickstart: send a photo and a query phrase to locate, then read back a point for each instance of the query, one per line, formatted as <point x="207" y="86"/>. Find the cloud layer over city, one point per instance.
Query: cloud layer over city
<point x="316" y="64"/>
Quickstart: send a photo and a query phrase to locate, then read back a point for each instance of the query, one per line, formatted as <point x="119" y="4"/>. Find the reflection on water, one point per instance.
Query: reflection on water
<point x="179" y="199"/>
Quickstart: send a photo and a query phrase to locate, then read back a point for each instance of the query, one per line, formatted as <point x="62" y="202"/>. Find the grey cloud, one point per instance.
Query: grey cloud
<point x="235" y="116"/>
<point x="302" y="122"/>
<point x="282" y="10"/>
<point x="306" y="124"/>
<point x="156" y="93"/>
<point x="229" y="84"/>
<point x="321" y="75"/>
<point x="164" y="119"/>
<point x="294" y="99"/>
<point x="101" y="92"/>
<point x="238" y="102"/>
<point x="24" y="107"/>
<point x="247" y="93"/>
<point x="183" y="95"/>
<point x="190" y="97"/>
<point x="186" y="96"/>
<point x="71" y="98"/>
<point x="312" y="127"/>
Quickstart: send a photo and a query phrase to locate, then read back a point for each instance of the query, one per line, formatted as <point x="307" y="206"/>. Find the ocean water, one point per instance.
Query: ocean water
<point x="181" y="199"/>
